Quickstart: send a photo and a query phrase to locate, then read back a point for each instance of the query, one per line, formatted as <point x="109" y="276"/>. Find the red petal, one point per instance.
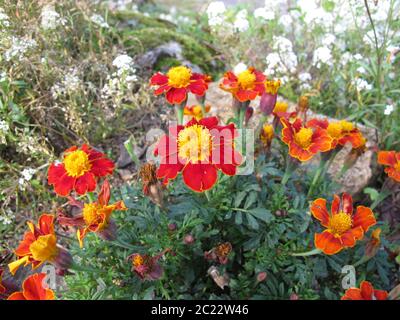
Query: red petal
<point x="367" y="290"/>
<point x="209" y="122"/>
<point x="16" y="296"/>
<point x="200" y="177"/>
<point x="102" y="167"/>
<point x="350" y="237"/>
<point x="85" y="183"/>
<point x="327" y="242"/>
<point x="176" y="95"/>
<point x="46" y="224"/>
<point x="168" y="171"/>
<point x="64" y="185"/>
<point x="352" y="294"/>
<point x="104" y="195"/>
<point x="319" y="211"/>
<point x="33" y="287"/>
<point x="158" y="79"/>
<point x="347" y="203"/>
<point x="335" y="204"/>
<point x="364" y="217"/>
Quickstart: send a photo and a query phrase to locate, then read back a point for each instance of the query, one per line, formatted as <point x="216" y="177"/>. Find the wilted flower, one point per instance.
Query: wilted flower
<point x="219" y="253"/>
<point x="178" y="82"/>
<point x="304" y="142"/>
<point x="39" y="246"/>
<point x="199" y="149"/>
<point x="147" y="267"/>
<point x="151" y="185"/>
<point x="95" y="216"/>
<point x="343" y="227"/>
<point x="33" y="289"/>
<point x="391" y="159"/>
<point x="79" y="170"/>
<point x="366" y="292"/>
<point x="220" y="280"/>
<point x="245" y="86"/>
<point x="373" y="245"/>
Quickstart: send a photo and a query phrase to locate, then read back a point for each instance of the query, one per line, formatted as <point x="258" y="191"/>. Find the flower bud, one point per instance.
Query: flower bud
<point x="189" y="239"/>
<point x="267" y="103"/>
<point x="294" y="296"/>
<point x="172" y="226"/>
<point x="261" y="276"/>
<point x="249" y="113"/>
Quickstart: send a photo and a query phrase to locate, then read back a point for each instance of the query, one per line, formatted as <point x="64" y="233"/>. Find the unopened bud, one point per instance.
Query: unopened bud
<point x="189" y="239"/>
<point x="261" y="276"/>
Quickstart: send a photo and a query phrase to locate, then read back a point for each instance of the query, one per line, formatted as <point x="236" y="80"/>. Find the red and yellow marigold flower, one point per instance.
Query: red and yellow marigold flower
<point x="341" y="132"/>
<point x="198" y="150"/>
<point x="343" y="227"/>
<point x="366" y="292"/>
<point x="245" y="86"/>
<point x="33" y="289"/>
<point x="196" y="111"/>
<point x="178" y="82"/>
<point x="304" y="141"/>
<point x="95" y="216"/>
<point x="391" y="159"/>
<point x="39" y="245"/>
<point x="79" y="170"/>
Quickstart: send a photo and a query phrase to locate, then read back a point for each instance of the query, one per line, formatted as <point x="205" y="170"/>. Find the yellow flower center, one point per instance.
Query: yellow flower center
<point x="346" y="126"/>
<point x="194" y="143"/>
<point x="44" y="248"/>
<point x="138" y="260"/>
<point x="335" y="129"/>
<point x="77" y="163"/>
<point x="90" y="213"/>
<point x="340" y="223"/>
<point x="179" y="77"/>
<point x="246" y="79"/>
<point x="272" y="86"/>
<point x="303" y="137"/>
<point x="281" y="106"/>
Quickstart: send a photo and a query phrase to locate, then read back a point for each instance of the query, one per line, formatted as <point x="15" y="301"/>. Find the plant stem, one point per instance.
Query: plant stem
<point x="179" y="113"/>
<point x="316" y="177"/>
<point x="308" y="253"/>
<point x="208" y="195"/>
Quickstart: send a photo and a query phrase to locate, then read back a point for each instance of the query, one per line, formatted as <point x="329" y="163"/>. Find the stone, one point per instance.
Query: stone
<point x="124" y="159"/>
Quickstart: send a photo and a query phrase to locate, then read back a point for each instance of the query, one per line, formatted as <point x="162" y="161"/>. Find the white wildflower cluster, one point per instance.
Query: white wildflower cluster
<point x="26" y="176"/>
<point x="241" y="23"/>
<point x="6" y="217"/>
<point x="388" y="109"/>
<point x="283" y="60"/>
<point x="174" y="17"/>
<point x="322" y="56"/>
<point x="264" y="13"/>
<point x="121" y="80"/>
<point x="361" y="84"/>
<point x="99" y="20"/>
<point x="70" y="83"/>
<point x="122" y="5"/>
<point x="3" y="76"/>
<point x="19" y="48"/>
<point x="305" y="79"/>
<point x="4" y="128"/>
<point x="349" y="58"/>
<point x="314" y="14"/>
<point x="50" y="18"/>
<point x="30" y="144"/>
<point x="216" y="13"/>
<point x="4" y="19"/>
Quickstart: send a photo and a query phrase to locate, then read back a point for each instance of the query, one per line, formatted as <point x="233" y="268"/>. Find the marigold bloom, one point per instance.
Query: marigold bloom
<point x="199" y="149"/>
<point x="178" y="82"/>
<point x="196" y="111"/>
<point x="272" y="86"/>
<point x="341" y="132"/>
<point x="304" y="141"/>
<point x="32" y="289"/>
<point x="366" y="292"/>
<point x="391" y="159"/>
<point x="280" y="107"/>
<point x="267" y="134"/>
<point x="95" y="216"/>
<point x="79" y="170"/>
<point x="245" y="86"/>
<point x="147" y="267"/>
<point x="343" y="227"/>
<point x="39" y="245"/>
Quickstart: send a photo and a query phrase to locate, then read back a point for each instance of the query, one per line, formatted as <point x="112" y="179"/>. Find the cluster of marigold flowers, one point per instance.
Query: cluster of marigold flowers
<point x="198" y="149"/>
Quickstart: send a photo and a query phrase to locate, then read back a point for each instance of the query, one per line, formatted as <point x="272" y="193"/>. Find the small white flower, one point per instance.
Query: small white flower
<point x="50" y="18"/>
<point x="264" y="13"/>
<point x="19" y="48"/>
<point x="305" y="77"/>
<point x="99" y="20"/>
<point x="215" y="13"/>
<point x="328" y="39"/>
<point x="241" y="23"/>
<point x="389" y="109"/>
<point x="322" y="55"/>
<point x="4" y="19"/>
<point x="361" y="84"/>
<point x="239" y="68"/>
<point x="361" y="70"/>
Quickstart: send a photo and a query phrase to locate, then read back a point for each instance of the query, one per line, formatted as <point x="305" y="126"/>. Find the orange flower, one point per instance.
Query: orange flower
<point x="95" y="216"/>
<point x="304" y="141"/>
<point x="391" y="159"/>
<point x="39" y="246"/>
<point x="178" y="82"/>
<point x="341" y="132"/>
<point x="245" y="86"/>
<point x="79" y="170"/>
<point x="199" y="149"/>
<point x="343" y="227"/>
<point x="196" y="111"/>
<point x="33" y="289"/>
<point x="366" y="292"/>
